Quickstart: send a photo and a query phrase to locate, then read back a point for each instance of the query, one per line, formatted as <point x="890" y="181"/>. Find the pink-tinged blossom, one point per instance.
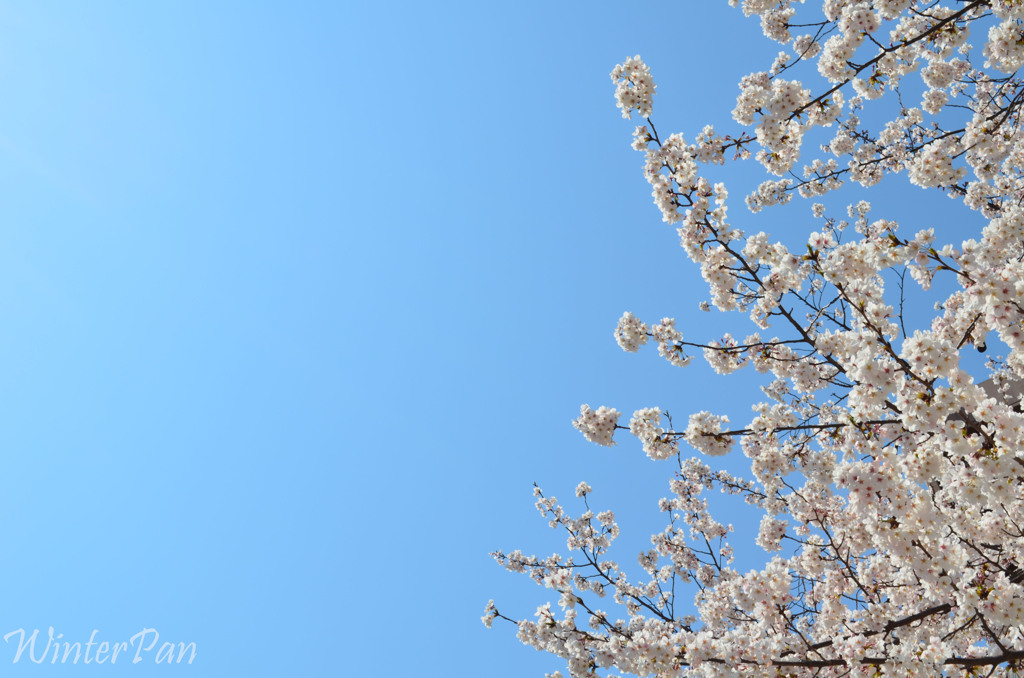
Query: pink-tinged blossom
<point x="668" y="338"/>
<point x="634" y="88"/>
<point x="645" y="425"/>
<point x="630" y="333"/>
<point x="598" y="425"/>
<point x="703" y="433"/>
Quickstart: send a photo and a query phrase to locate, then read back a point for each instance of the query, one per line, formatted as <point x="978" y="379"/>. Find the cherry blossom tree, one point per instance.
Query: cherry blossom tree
<point x="890" y="478"/>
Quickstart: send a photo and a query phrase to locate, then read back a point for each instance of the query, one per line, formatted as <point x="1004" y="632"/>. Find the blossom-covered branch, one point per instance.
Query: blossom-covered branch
<point x="888" y="474"/>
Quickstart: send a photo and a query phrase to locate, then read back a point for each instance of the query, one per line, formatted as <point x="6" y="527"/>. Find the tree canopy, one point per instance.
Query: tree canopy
<point x="889" y="475"/>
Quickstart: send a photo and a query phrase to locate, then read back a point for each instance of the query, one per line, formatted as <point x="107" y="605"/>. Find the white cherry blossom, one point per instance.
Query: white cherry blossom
<point x="887" y="472"/>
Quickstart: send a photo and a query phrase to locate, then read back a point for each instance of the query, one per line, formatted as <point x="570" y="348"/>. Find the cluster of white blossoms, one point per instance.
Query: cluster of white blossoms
<point x="634" y="88"/>
<point x="705" y="433"/>
<point x="888" y="473"/>
<point x="933" y="166"/>
<point x="721" y="358"/>
<point x="598" y="425"/>
<point x="670" y="340"/>
<point x="645" y="425"/>
<point x="1005" y="47"/>
<point x="771" y="532"/>
<point x="630" y="333"/>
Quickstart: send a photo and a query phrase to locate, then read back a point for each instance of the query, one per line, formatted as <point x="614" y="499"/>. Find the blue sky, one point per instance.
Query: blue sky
<point x="297" y="300"/>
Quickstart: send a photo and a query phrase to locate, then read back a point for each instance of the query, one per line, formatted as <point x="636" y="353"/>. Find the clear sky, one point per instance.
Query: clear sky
<point x="297" y="300"/>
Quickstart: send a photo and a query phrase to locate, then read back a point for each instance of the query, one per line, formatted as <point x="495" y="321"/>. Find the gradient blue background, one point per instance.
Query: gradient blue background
<point x="297" y="300"/>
